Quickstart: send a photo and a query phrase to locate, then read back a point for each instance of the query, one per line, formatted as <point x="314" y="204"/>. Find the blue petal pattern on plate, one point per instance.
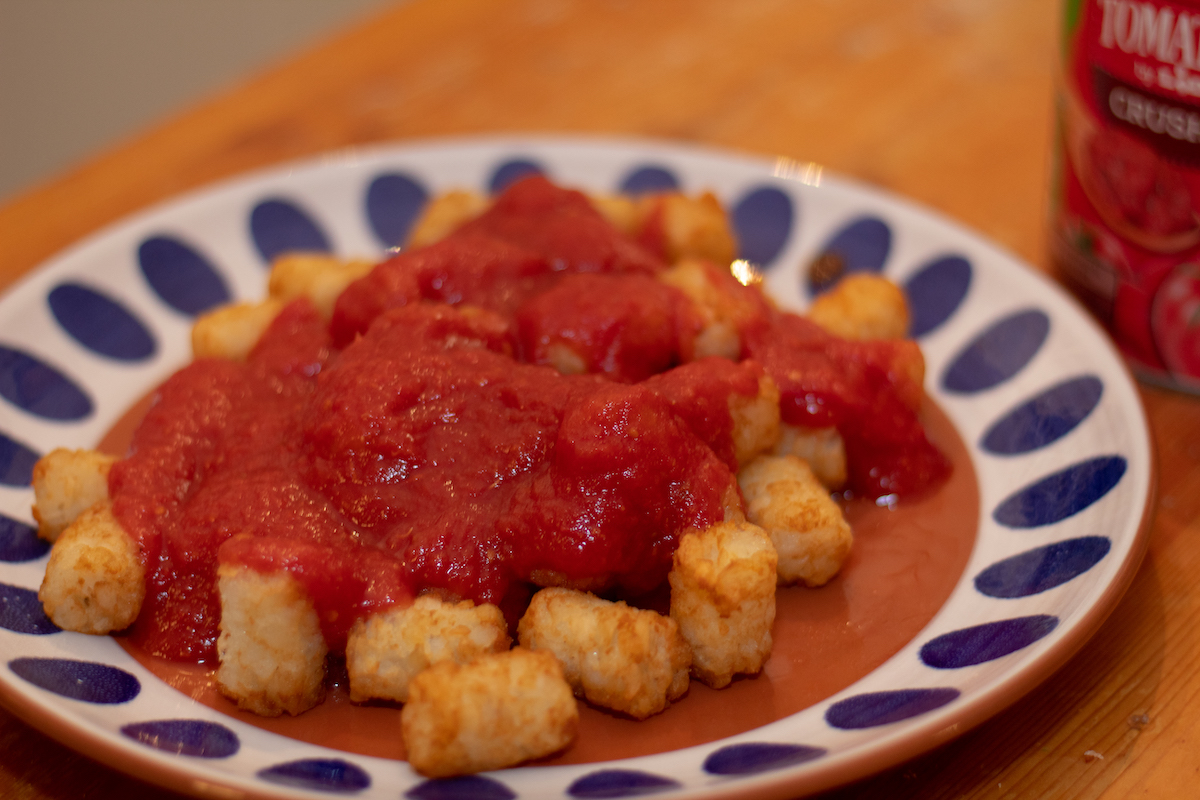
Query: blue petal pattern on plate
<point x="746" y="759"/>
<point x="619" y="783"/>
<point x="1061" y="495"/>
<point x="394" y="201"/>
<point x="19" y="542"/>
<point x="319" y="774"/>
<point x="883" y="708"/>
<point x="861" y="246"/>
<point x="184" y="279"/>
<point x="987" y="642"/>
<point x="998" y="353"/>
<point x="279" y="226"/>
<point x="763" y="220"/>
<point x="21" y="611"/>
<point x="78" y="680"/>
<point x="40" y="389"/>
<point x="1042" y="568"/>
<point x="1044" y="419"/>
<point x="16" y="462"/>
<point x="100" y="323"/>
<point x="509" y="171"/>
<point x="935" y="293"/>
<point x="468" y="787"/>
<point x="649" y="179"/>
<point x="187" y="737"/>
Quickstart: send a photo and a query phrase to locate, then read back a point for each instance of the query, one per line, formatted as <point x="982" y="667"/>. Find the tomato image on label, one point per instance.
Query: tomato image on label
<point x="1135" y="189"/>
<point x="1130" y="323"/>
<point x="1175" y="319"/>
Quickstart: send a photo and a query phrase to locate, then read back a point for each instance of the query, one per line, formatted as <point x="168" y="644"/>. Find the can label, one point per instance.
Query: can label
<point x="1126" y="233"/>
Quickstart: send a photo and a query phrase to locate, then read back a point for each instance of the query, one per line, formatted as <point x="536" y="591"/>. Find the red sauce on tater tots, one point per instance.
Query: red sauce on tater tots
<point x="421" y="441"/>
<point x="864" y="390"/>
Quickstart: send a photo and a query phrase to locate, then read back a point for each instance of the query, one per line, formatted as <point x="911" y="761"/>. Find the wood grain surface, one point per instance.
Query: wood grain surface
<point x="946" y="101"/>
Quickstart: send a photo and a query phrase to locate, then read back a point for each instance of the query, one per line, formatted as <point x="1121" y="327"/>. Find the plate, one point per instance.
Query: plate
<point x="1052" y="422"/>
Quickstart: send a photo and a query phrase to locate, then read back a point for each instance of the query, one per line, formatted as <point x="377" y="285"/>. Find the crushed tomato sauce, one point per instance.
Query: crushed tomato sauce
<point x="419" y="441"/>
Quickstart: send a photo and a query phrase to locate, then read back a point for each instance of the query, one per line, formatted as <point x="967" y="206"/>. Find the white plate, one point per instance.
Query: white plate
<point x="1053" y="424"/>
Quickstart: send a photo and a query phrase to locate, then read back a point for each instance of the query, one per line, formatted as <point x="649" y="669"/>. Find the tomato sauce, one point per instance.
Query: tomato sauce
<point x="866" y="390"/>
<point x="419" y="442"/>
<point x="906" y="561"/>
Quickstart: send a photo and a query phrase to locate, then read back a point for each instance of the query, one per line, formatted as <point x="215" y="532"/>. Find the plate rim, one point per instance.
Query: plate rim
<point x="163" y="770"/>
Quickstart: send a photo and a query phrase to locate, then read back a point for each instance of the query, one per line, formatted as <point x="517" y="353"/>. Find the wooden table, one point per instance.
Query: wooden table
<point x="947" y="102"/>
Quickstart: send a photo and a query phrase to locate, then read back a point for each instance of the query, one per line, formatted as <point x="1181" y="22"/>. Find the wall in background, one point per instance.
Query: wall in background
<point x="77" y="75"/>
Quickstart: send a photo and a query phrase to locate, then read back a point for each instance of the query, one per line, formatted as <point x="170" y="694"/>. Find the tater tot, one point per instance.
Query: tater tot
<point x="385" y="651"/>
<point x="231" y="331"/>
<point x="621" y="211"/>
<point x="630" y="660"/>
<point x="733" y="504"/>
<point x="318" y="276"/>
<point x="495" y="712"/>
<point x="271" y="649"/>
<point x="566" y="360"/>
<point x="443" y="214"/>
<point x="95" y="581"/>
<point x="862" y="306"/>
<point x="822" y="448"/>
<point x="65" y="484"/>
<point x="722" y="303"/>
<point x="755" y="420"/>
<point x="693" y="227"/>
<point x="784" y="498"/>
<point x="723" y="598"/>
<point x="719" y="336"/>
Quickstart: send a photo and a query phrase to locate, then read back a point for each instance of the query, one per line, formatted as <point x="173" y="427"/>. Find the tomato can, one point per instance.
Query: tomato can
<point x="1125" y="233"/>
